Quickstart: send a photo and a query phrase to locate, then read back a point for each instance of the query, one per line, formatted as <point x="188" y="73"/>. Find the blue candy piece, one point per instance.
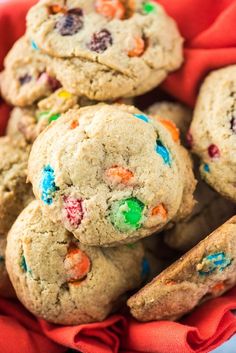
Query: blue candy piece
<point x="206" y="168"/>
<point x="23" y="264"/>
<point x="163" y="152"/>
<point x="145" y="268"/>
<point x="34" y="45"/>
<point x="218" y="261"/>
<point x="48" y="185"/>
<point x="142" y="117"/>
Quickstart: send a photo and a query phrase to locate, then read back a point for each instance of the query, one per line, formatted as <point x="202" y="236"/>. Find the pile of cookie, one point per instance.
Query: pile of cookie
<point x="98" y="198"/>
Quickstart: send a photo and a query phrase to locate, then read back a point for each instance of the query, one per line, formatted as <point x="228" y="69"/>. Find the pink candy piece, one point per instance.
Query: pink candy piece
<point x="74" y="210"/>
<point x="213" y="151"/>
<point x="49" y="80"/>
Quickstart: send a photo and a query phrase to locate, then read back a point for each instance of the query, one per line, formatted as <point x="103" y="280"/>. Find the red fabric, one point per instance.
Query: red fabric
<point x="20" y="331"/>
<point x="208" y="27"/>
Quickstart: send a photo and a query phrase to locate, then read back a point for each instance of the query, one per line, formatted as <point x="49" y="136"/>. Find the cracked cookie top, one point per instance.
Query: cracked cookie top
<point x="58" y="279"/>
<point x="127" y="41"/>
<point x="110" y="174"/>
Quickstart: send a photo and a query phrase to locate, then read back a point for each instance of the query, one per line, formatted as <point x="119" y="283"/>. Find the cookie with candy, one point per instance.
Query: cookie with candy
<point x="103" y="183"/>
<point x="63" y="281"/>
<point x="106" y="49"/>
<point x="213" y="132"/>
<point x="205" y="272"/>
<point x="26" y="78"/>
<point x="211" y="209"/>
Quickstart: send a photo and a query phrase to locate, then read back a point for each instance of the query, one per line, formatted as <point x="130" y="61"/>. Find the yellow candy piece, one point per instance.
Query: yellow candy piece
<point x="64" y="95"/>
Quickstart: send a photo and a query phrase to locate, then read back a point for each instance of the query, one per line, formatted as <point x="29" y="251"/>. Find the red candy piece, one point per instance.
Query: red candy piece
<point x="189" y="139"/>
<point x="77" y="265"/>
<point x="219" y="287"/>
<point x="74" y="210"/>
<point x="213" y="151"/>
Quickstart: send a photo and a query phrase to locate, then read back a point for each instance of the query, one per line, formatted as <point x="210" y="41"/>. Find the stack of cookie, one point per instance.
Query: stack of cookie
<point x="104" y="174"/>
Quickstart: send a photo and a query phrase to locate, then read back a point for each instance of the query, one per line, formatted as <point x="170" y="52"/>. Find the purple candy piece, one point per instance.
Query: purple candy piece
<point x="100" y="41"/>
<point x="25" y="79"/>
<point x="70" y="23"/>
<point x="233" y="124"/>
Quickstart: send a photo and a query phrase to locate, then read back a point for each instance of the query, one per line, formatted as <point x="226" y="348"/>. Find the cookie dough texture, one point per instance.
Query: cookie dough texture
<point x="103" y="57"/>
<point x="38" y="261"/>
<point x="28" y="122"/>
<point x="207" y="271"/>
<point x="213" y="131"/>
<point x="210" y="211"/>
<point x="25" y="79"/>
<point x="15" y="194"/>
<point x="6" y="289"/>
<point x="178" y="113"/>
<point x="109" y="176"/>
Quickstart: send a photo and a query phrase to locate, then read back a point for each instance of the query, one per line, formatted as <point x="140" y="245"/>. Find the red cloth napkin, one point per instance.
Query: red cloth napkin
<point x="208" y="27"/>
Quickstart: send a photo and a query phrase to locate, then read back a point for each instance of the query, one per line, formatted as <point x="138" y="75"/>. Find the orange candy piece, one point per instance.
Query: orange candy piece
<point x="160" y="210"/>
<point x="169" y="125"/>
<point x="138" y="48"/>
<point x="110" y="8"/>
<point x="77" y="265"/>
<point x="119" y="174"/>
<point x="54" y="9"/>
<point x="218" y="287"/>
<point x="74" y="124"/>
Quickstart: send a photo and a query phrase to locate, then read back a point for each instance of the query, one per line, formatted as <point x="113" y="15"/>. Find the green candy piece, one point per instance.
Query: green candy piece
<point x="148" y="7"/>
<point x="54" y="117"/>
<point x="131" y="246"/>
<point x="127" y="215"/>
<point x="42" y="115"/>
<point x="47" y="115"/>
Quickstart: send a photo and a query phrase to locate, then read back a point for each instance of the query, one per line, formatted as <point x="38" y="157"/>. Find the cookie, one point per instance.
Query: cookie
<point x="6" y="289"/>
<point x="205" y="272"/>
<point x="179" y="114"/>
<point x="210" y="211"/>
<point x="213" y="132"/>
<point x="113" y="176"/>
<point x="28" y="122"/>
<point x="25" y="78"/>
<point x="15" y="194"/>
<point x="106" y="49"/>
<point x="59" y="279"/>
